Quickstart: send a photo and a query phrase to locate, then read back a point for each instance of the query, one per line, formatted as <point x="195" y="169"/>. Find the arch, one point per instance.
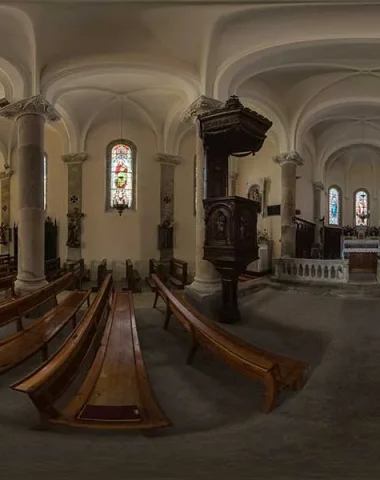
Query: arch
<point x="121" y="174"/>
<point x="335" y="214"/>
<point x="361" y="207"/>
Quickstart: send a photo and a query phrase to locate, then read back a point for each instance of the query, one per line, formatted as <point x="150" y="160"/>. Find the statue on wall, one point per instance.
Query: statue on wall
<point x="255" y="195"/>
<point x="3" y="234"/>
<point x="220" y="226"/>
<point x="165" y="234"/>
<point x="74" y="229"/>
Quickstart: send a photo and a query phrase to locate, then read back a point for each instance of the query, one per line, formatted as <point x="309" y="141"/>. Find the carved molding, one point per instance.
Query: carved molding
<point x="6" y="174"/>
<point x="36" y="105"/>
<point x="202" y="104"/>
<point x="289" y="157"/>
<point x="71" y="158"/>
<point x="168" y="159"/>
<point x="318" y="186"/>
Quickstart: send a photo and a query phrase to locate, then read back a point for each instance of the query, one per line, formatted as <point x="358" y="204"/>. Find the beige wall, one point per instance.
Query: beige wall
<point x="251" y="170"/>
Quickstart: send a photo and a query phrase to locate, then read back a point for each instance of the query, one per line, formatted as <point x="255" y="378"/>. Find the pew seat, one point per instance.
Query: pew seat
<point x="115" y="393"/>
<point x="20" y="346"/>
<point x="277" y="372"/>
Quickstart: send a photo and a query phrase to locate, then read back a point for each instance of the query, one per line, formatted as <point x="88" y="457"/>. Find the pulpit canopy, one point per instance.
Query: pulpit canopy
<point x="233" y="129"/>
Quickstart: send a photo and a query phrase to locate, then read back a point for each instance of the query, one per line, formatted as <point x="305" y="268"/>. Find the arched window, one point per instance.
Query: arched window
<point x="361" y="204"/>
<point x="45" y="181"/>
<point x="121" y="174"/>
<point x="335" y="214"/>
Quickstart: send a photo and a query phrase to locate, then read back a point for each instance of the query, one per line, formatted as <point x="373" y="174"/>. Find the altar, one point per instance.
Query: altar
<point x="362" y="254"/>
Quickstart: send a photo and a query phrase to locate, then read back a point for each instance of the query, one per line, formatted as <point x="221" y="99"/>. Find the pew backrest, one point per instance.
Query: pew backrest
<point x="49" y="382"/>
<point x="15" y="309"/>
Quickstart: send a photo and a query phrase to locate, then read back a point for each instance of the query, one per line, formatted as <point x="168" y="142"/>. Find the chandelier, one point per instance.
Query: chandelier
<point x="120" y="207"/>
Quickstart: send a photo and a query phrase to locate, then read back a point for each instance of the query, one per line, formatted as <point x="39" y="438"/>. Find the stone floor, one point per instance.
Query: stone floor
<point x="331" y="429"/>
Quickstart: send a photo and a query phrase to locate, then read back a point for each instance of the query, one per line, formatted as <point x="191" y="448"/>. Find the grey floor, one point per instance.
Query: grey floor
<point x="329" y="430"/>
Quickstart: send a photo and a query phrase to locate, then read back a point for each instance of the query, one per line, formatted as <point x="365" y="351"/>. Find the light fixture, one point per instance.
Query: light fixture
<point x="120" y="207"/>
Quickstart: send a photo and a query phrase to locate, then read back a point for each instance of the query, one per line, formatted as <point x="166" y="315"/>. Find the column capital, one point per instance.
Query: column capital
<point x="289" y="157"/>
<point x="167" y="159"/>
<point x="202" y="104"/>
<point x="318" y="186"/>
<point x="32" y="105"/>
<point x="72" y="158"/>
<point x="6" y="174"/>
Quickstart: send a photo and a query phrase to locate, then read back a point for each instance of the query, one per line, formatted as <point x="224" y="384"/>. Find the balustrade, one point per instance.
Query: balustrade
<point x="306" y="270"/>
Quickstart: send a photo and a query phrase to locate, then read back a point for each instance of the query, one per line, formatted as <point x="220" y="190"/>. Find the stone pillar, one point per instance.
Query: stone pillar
<point x="5" y="178"/>
<point x="30" y="115"/>
<point x="288" y="162"/>
<point x="74" y="162"/>
<point x="318" y="188"/>
<point x="207" y="279"/>
<point x="168" y="164"/>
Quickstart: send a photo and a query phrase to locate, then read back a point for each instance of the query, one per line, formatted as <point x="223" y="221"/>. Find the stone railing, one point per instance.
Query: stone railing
<point x="311" y="270"/>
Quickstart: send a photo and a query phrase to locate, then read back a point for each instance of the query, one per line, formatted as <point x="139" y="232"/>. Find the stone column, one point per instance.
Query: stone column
<point x="168" y="164"/>
<point x="74" y="162"/>
<point x="318" y="188"/>
<point x="30" y="115"/>
<point x="207" y="279"/>
<point x="288" y="162"/>
<point x="5" y="178"/>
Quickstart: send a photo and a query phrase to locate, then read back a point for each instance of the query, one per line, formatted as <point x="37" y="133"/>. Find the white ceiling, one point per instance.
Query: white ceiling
<point x="314" y="70"/>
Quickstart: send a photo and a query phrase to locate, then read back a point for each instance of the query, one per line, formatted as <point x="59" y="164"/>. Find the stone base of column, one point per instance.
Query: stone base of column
<point x="24" y="286"/>
<point x="205" y="296"/>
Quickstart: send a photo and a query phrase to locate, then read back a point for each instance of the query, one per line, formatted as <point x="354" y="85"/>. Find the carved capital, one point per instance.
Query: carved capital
<point x="72" y="158"/>
<point x="6" y="174"/>
<point x="35" y="105"/>
<point x="318" y="186"/>
<point x="202" y="104"/>
<point x="167" y="159"/>
<point x="289" y="157"/>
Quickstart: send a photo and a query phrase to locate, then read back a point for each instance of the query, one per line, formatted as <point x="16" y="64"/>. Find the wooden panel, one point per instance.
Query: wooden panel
<point x="362" y="262"/>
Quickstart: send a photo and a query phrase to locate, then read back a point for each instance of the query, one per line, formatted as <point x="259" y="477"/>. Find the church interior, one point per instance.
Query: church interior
<point x="189" y="239"/>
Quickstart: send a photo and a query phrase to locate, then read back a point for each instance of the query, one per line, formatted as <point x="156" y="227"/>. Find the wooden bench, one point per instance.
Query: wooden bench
<point x="115" y="394"/>
<point x="101" y="274"/>
<point x="155" y="268"/>
<point x="7" y="261"/>
<point x="275" y="371"/>
<point x="77" y="268"/>
<point x="132" y="276"/>
<point x="7" y="284"/>
<point x="53" y="269"/>
<point x="15" y="310"/>
<point x="178" y="273"/>
<point x="17" y="348"/>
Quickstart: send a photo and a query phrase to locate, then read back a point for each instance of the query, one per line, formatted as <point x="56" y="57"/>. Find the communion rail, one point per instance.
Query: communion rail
<point x="311" y="270"/>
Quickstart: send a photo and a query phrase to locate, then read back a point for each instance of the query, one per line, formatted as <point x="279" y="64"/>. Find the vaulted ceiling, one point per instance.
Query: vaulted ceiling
<point x="313" y="69"/>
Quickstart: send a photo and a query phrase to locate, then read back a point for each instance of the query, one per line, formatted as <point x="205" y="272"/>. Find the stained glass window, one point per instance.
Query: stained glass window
<point x="361" y="208"/>
<point x="334" y="206"/>
<point x="120" y="174"/>
<point x="45" y="181"/>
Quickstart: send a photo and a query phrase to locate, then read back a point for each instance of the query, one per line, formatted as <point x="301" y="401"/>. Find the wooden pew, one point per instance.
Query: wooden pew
<point x="155" y="268"/>
<point x="6" y="260"/>
<point x="77" y="268"/>
<point x="275" y="371"/>
<point x="53" y="269"/>
<point x="17" y="348"/>
<point x="132" y="276"/>
<point x="115" y="394"/>
<point x="14" y="310"/>
<point x="178" y="273"/>
<point x="101" y="274"/>
<point x="7" y="283"/>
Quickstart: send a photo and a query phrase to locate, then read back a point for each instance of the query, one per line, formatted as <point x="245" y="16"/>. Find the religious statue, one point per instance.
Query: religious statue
<point x="255" y="195"/>
<point x="74" y="229"/>
<point x="165" y="234"/>
<point x="220" y="226"/>
<point x="3" y="234"/>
